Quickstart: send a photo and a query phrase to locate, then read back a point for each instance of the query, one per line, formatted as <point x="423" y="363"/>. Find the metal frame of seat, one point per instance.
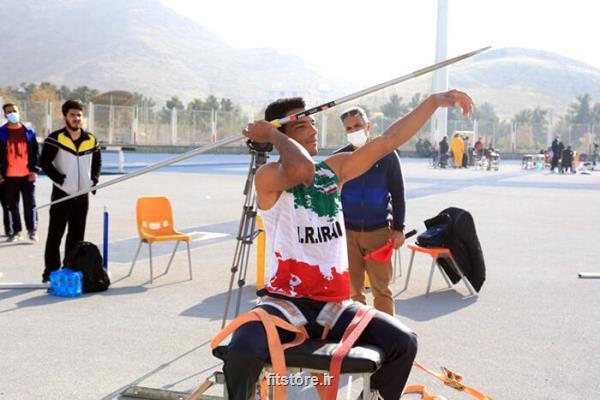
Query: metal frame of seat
<point x="170" y="259"/>
<point x="435" y="254"/>
<point x="367" y="394"/>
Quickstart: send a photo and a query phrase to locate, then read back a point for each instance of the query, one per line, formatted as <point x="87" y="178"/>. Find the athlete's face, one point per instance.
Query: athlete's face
<point x="303" y="131"/>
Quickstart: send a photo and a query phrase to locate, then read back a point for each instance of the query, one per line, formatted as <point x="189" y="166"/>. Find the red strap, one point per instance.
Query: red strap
<point x="358" y="324"/>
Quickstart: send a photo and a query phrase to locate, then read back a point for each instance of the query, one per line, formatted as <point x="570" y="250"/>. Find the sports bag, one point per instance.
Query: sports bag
<point x="86" y="257"/>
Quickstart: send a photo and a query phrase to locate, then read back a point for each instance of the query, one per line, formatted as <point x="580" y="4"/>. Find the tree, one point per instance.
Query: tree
<point x="596" y="113"/>
<point x="538" y="116"/>
<point x="64" y="92"/>
<point x="485" y="112"/>
<point x="580" y="112"/>
<point x="415" y="101"/>
<point x="143" y="101"/>
<point x="212" y="103"/>
<point x="523" y="117"/>
<point x="227" y="105"/>
<point x="174" y="102"/>
<point x="196" y="105"/>
<point x="84" y="93"/>
<point x="394" y="108"/>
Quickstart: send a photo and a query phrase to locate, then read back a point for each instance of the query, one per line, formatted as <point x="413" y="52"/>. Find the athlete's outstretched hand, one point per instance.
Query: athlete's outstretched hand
<point x="455" y="98"/>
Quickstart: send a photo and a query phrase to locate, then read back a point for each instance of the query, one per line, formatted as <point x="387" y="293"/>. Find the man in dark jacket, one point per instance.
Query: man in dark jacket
<point x="374" y="210"/>
<point x="71" y="159"/>
<point x="555" y="154"/>
<point x="567" y="160"/>
<point x="444" y="147"/>
<point x="18" y="172"/>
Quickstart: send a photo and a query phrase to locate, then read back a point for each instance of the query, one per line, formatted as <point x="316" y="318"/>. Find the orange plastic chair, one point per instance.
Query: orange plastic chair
<point x="436" y="253"/>
<point x="155" y="224"/>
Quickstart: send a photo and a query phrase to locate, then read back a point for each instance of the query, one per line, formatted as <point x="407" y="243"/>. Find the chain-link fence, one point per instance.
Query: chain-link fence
<point x="119" y="125"/>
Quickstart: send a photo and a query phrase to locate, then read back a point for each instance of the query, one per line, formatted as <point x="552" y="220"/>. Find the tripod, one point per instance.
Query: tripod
<point x="247" y="231"/>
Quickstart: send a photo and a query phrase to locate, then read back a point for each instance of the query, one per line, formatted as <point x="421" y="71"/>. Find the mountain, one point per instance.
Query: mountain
<point x="516" y="78"/>
<point x="137" y="45"/>
<point x="144" y="46"/>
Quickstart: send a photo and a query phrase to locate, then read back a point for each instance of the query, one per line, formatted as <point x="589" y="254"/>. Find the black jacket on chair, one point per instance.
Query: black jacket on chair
<point x="461" y="238"/>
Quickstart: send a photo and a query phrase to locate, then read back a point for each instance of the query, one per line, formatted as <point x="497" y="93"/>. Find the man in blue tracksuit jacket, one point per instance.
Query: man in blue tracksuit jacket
<point x="18" y="172"/>
<point x="374" y="210"/>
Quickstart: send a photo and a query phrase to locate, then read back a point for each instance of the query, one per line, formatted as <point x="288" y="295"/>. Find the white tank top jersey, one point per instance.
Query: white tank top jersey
<point x="307" y="236"/>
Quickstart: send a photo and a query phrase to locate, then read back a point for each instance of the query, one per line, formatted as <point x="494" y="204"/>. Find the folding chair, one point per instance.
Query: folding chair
<point x="436" y="253"/>
<point x="155" y="224"/>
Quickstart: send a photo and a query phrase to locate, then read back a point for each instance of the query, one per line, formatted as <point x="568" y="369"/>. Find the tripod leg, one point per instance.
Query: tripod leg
<point x="246" y="234"/>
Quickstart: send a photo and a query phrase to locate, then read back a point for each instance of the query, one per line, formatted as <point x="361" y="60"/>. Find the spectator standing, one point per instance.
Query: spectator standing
<point x="466" y="160"/>
<point x="71" y="159"/>
<point x="444" y="147"/>
<point x="18" y="172"/>
<point x="427" y="148"/>
<point x="567" y="160"/>
<point x="555" y="153"/>
<point x="479" y="147"/>
<point x="458" y="149"/>
<point x="374" y="210"/>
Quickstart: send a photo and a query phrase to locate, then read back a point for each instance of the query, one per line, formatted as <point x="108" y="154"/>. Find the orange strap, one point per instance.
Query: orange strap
<point x="455" y="381"/>
<point x="320" y="376"/>
<point x="276" y="349"/>
<point x="358" y="324"/>
<point x="425" y="395"/>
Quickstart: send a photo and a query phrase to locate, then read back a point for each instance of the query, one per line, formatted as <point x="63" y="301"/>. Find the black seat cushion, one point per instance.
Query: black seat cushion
<point x="317" y="354"/>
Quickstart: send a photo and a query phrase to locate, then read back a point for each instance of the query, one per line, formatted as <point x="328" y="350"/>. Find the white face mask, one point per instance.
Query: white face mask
<point x="13" y="117"/>
<point x="357" y="138"/>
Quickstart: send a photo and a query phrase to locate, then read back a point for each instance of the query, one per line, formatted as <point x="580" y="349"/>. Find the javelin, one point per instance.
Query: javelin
<point x="277" y="123"/>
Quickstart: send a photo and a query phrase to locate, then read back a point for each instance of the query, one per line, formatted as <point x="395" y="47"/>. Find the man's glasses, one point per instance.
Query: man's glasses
<point x="352" y="113"/>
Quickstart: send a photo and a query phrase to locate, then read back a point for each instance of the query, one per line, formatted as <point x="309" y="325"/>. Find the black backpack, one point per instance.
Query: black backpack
<point x="454" y="228"/>
<point x="438" y="229"/>
<point x="86" y="257"/>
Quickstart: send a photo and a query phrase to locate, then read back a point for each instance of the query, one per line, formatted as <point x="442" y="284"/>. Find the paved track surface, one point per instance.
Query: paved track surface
<point x="533" y="333"/>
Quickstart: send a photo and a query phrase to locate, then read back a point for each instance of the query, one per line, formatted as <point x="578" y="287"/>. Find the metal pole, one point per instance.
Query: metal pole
<point x="90" y="120"/>
<point x="134" y="123"/>
<point x="173" y="126"/>
<point x="277" y="123"/>
<point x="111" y="123"/>
<point x="105" y="236"/>
<point x="440" y="78"/>
<point x="48" y="117"/>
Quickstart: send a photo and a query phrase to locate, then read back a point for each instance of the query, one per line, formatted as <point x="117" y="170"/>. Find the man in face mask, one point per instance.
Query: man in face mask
<point x="18" y="171"/>
<point x="374" y="210"/>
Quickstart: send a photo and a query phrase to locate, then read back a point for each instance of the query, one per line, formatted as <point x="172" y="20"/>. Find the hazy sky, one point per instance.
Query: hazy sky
<point x="375" y="40"/>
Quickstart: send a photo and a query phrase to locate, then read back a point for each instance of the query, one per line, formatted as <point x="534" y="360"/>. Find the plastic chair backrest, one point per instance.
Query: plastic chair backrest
<point x="154" y="216"/>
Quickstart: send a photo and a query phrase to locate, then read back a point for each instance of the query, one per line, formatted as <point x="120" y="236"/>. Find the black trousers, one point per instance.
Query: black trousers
<point x="5" y="216"/>
<point x="73" y="213"/>
<point x="554" y="163"/>
<point x="248" y="350"/>
<point x="14" y="189"/>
